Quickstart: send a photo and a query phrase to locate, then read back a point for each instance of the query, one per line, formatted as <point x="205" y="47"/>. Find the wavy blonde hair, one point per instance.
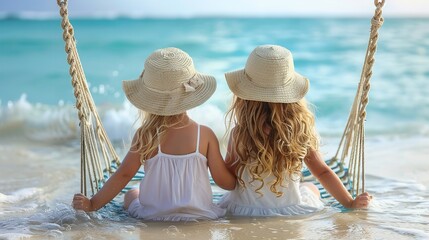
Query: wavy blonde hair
<point x="270" y="138"/>
<point x="153" y="128"/>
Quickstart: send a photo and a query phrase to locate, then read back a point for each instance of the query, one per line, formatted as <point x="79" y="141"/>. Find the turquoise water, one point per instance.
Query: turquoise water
<point x="39" y="132"/>
<point x="330" y="52"/>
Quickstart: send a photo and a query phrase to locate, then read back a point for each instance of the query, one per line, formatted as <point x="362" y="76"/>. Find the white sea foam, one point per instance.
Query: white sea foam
<point x="13" y="236"/>
<point x="39" y="122"/>
<point x="19" y="195"/>
<point x="413" y="233"/>
<point x="211" y="116"/>
<point x="120" y="123"/>
<point x="60" y="123"/>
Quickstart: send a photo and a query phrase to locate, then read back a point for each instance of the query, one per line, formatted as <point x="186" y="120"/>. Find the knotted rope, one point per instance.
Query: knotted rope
<point x="96" y="149"/>
<point x="353" y="139"/>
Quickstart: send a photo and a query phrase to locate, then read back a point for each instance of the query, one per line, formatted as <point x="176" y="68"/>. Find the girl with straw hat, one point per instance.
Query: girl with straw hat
<point x="174" y="149"/>
<point x="274" y="134"/>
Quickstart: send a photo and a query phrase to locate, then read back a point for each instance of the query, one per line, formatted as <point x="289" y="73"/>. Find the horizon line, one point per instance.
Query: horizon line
<point x="33" y="15"/>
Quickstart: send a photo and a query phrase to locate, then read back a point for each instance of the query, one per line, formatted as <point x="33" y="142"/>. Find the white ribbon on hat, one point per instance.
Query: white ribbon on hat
<point x="192" y="84"/>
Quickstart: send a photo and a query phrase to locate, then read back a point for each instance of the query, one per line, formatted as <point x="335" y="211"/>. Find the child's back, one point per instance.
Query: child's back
<point x="175" y="151"/>
<point x="273" y="136"/>
<point x="267" y="160"/>
<point x="176" y="186"/>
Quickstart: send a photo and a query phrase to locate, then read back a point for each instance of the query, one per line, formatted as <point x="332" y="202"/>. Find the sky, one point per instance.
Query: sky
<point x="200" y="8"/>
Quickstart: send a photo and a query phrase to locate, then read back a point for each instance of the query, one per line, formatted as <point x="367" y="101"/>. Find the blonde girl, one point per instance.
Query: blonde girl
<point x="273" y="135"/>
<point x="176" y="151"/>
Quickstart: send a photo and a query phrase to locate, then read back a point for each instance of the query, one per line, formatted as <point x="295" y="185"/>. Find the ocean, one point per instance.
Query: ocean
<point x="39" y="129"/>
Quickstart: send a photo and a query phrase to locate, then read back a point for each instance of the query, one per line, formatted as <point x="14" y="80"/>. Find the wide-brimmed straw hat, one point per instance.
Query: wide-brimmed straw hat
<point x="169" y="84"/>
<point x="269" y="76"/>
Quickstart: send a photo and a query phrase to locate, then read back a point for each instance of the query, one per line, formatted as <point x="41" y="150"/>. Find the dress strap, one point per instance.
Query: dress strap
<point x="198" y="139"/>
<point x="159" y="141"/>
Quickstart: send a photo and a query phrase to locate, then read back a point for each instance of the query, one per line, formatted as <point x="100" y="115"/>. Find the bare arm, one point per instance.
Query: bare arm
<point x="220" y="173"/>
<point x="332" y="183"/>
<point x="230" y="157"/>
<point x="128" y="168"/>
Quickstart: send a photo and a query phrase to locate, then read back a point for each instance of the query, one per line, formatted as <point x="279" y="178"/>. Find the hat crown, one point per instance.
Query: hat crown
<point x="167" y="69"/>
<point x="270" y="66"/>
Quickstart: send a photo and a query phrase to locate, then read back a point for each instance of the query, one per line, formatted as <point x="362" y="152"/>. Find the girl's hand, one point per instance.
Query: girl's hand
<point x="362" y="201"/>
<point x="80" y="202"/>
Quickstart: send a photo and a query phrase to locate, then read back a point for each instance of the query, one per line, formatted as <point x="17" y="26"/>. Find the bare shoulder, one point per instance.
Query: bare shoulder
<point x="208" y="140"/>
<point x="208" y="133"/>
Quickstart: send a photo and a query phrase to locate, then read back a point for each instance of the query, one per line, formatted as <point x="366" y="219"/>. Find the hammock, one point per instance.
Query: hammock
<point x="99" y="159"/>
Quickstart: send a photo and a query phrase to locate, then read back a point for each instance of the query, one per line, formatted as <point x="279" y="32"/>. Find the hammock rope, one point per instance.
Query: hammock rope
<point x="353" y="139"/>
<point x="99" y="159"/>
<point x="96" y="149"/>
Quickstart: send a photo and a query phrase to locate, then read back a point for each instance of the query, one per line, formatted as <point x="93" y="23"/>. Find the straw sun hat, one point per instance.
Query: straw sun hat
<point x="269" y="76"/>
<point x="169" y="84"/>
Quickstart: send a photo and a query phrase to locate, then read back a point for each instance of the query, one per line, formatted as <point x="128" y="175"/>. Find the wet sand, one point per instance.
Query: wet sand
<point x="396" y="176"/>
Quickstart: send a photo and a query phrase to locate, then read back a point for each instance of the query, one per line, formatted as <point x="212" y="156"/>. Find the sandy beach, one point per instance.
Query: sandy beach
<point x="400" y="159"/>
<point x="395" y="176"/>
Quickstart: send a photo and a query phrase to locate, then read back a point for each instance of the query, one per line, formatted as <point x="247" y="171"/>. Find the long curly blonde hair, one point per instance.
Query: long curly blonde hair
<point x="153" y="128"/>
<point x="270" y="138"/>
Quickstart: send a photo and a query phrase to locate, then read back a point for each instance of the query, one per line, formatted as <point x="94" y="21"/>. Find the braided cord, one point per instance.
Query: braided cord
<point x="353" y="139"/>
<point x="96" y="148"/>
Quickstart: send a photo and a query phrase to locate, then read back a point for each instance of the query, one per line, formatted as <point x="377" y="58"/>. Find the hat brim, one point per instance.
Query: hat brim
<point x="243" y="87"/>
<point x="171" y="102"/>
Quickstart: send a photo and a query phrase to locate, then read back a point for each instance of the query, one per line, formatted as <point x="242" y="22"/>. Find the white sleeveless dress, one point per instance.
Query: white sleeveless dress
<point x="296" y="199"/>
<point x="176" y="188"/>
